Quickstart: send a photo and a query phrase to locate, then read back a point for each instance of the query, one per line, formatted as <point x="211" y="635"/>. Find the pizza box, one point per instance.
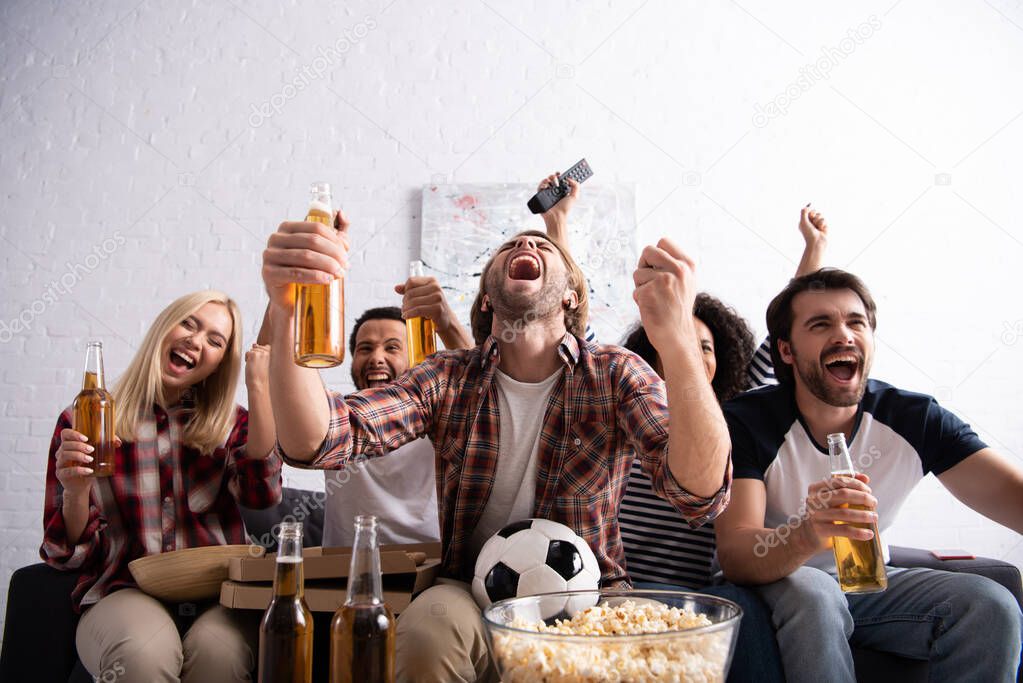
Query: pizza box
<point x="407" y="571"/>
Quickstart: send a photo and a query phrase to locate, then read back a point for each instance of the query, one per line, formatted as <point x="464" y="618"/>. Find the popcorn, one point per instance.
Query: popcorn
<point x="666" y="655"/>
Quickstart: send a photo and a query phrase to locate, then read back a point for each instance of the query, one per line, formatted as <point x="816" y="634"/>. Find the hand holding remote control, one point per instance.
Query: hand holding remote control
<point x="555" y="219"/>
<point x="548" y="196"/>
<point x="560" y="210"/>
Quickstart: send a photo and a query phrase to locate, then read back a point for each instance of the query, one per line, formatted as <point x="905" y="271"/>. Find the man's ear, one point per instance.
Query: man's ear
<point x="785" y="351"/>
<point x="570" y="301"/>
<point x="485" y="304"/>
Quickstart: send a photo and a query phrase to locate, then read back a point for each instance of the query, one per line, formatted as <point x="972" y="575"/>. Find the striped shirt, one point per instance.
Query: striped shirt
<point x="163" y="496"/>
<point x="659" y="546"/>
<point x="606" y="406"/>
<point x="760" y="372"/>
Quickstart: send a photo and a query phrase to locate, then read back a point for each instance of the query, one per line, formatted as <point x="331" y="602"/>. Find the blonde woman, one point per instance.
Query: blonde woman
<point x="187" y="458"/>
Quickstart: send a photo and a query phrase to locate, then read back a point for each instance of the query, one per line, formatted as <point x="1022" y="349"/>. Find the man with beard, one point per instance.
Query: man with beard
<point x="777" y="531"/>
<point x="532" y="422"/>
<point x="400" y="489"/>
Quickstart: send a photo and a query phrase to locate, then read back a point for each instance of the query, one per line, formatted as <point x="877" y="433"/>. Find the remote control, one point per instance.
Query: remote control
<point x="543" y="200"/>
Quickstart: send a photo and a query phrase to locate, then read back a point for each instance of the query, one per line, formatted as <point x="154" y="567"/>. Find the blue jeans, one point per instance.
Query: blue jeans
<point x="967" y="626"/>
<point x="756" y="655"/>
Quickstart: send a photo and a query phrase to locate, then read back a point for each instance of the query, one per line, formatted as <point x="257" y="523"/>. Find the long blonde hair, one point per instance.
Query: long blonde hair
<point x="141" y="385"/>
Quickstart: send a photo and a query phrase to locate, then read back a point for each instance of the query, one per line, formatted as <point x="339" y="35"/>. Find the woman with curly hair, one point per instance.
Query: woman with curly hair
<point x="659" y="548"/>
<point x="726" y="342"/>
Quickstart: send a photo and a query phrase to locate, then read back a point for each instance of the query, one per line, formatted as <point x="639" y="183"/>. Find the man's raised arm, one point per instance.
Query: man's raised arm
<point x="306" y="253"/>
<point x="698" y="443"/>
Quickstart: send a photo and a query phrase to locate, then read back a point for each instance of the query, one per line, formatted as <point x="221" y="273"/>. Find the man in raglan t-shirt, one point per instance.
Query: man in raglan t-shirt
<point x="776" y="533"/>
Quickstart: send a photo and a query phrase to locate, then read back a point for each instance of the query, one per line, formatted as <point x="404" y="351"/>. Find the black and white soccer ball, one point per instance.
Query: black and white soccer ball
<point x="531" y="557"/>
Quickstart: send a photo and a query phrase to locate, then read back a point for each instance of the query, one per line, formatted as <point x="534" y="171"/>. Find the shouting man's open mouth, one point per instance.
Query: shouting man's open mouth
<point x="524" y="266"/>
<point x="843" y="366"/>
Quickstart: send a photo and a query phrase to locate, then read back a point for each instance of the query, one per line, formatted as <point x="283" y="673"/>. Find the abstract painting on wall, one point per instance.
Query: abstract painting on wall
<point x="464" y="223"/>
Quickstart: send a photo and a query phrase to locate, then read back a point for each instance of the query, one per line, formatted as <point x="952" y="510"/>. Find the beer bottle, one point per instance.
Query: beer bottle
<point x="320" y="309"/>
<point x="286" y="632"/>
<point x="94" y="412"/>
<point x="362" y="633"/>
<point x="860" y="563"/>
<point x="419" y="331"/>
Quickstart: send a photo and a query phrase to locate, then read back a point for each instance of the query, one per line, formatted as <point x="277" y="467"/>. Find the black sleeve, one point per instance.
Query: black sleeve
<point x="948" y="440"/>
<point x="747" y="463"/>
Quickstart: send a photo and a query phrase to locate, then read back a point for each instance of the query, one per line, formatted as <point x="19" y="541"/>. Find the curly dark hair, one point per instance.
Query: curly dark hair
<point x="733" y="345"/>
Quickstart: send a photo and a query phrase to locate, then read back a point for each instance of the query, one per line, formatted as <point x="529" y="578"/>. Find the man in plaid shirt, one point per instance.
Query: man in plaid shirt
<point x="579" y="414"/>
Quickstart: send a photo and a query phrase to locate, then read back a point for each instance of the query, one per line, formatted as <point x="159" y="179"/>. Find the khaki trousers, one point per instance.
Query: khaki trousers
<point x="129" y="637"/>
<point x="441" y="638"/>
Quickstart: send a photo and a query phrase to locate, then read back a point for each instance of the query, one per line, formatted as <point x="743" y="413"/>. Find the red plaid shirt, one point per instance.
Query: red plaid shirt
<point x="163" y="496"/>
<point x="607" y="406"/>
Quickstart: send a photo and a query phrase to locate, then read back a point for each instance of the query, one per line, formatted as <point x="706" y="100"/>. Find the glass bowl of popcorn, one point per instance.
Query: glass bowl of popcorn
<point x="612" y="635"/>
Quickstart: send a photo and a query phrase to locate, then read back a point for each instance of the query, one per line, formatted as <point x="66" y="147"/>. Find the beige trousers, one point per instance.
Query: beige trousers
<point x="129" y="637"/>
<point x="441" y="638"/>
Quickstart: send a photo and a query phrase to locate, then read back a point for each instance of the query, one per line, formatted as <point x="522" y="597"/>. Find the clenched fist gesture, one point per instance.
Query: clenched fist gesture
<point x="257" y="367"/>
<point x="812" y="226"/>
<point x="665" y="293"/>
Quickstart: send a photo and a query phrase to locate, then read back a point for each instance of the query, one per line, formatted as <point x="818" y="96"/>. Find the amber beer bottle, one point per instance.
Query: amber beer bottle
<point x="94" y="412"/>
<point x="286" y="632"/>
<point x="362" y="634"/>
<point x="860" y="563"/>
<point x="320" y="309"/>
<point x="419" y="331"/>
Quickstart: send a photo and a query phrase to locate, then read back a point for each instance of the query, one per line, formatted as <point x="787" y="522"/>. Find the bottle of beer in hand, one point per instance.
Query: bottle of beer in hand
<point x="320" y="309"/>
<point x="860" y="563"/>
<point x="94" y="412"/>
<point x="419" y="331"/>
<point x="286" y="632"/>
<point x="362" y="634"/>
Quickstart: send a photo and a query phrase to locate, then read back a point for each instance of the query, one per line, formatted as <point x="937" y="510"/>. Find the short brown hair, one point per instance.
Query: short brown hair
<point x="780" y="317"/>
<point x="482" y="322"/>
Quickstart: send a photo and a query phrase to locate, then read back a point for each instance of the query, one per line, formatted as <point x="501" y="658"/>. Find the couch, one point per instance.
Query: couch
<point x="39" y="632"/>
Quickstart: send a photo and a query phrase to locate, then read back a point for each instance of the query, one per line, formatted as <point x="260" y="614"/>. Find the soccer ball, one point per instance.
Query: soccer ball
<point x="530" y="557"/>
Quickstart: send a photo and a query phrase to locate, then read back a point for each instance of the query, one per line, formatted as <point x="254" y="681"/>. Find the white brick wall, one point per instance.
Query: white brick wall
<point x="141" y="123"/>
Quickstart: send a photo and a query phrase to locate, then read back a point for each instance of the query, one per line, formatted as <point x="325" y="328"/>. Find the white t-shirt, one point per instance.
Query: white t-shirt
<point x="521" y="407"/>
<point x="399" y="488"/>
<point x="897" y="439"/>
